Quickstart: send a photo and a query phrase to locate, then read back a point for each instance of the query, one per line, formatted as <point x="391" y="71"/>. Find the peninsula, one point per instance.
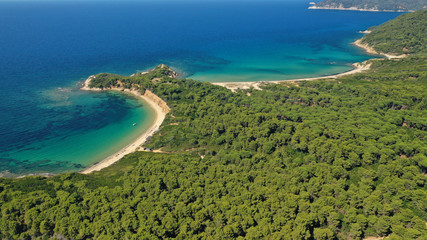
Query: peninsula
<point x="371" y="5"/>
<point x="342" y="158"/>
<point x="159" y="106"/>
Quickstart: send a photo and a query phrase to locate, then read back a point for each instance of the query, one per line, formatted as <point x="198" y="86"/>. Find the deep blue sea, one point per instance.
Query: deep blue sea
<point x="46" y="48"/>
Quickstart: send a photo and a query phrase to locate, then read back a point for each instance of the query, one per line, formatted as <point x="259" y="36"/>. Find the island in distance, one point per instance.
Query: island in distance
<point x="337" y="158"/>
<point x="371" y="5"/>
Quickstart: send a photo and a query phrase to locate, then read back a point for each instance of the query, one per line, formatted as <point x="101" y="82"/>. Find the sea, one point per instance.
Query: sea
<point x="48" y="48"/>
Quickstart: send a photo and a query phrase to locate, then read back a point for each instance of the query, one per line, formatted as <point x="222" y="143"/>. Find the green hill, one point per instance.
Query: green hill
<point x="329" y="159"/>
<point x="374" y="5"/>
<point x="406" y="34"/>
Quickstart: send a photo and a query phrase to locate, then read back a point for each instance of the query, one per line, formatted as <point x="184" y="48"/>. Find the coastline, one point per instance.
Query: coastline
<point x="160" y="109"/>
<point x="356" y="9"/>
<point x="358" y="68"/>
<point x="371" y="50"/>
<point x="233" y="86"/>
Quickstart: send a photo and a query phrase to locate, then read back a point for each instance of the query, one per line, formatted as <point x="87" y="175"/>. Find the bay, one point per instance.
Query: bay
<point x="47" y="125"/>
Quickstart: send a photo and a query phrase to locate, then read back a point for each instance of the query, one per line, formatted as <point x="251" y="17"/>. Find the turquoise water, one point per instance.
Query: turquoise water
<point x="283" y="62"/>
<point x="102" y="124"/>
<point x="47" y="48"/>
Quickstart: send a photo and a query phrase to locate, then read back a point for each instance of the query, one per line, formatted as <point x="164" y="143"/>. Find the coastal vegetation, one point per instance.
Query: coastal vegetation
<point x="405" y="34"/>
<point x="341" y="158"/>
<point x="374" y="5"/>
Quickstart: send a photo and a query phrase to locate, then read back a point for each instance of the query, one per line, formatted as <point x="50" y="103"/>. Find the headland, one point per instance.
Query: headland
<point x="160" y="109"/>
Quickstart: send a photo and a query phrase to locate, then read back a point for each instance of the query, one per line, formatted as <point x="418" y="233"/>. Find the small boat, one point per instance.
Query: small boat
<point x="134" y="124"/>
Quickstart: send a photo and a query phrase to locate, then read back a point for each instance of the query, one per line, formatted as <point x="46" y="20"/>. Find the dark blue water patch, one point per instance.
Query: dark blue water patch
<point x="106" y="34"/>
<point x="54" y="45"/>
<point x="64" y="121"/>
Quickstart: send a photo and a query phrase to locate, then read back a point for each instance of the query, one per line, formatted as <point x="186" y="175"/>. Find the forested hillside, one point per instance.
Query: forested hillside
<point x="329" y="159"/>
<point x="380" y="5"/>
<point x="405" y="34"/>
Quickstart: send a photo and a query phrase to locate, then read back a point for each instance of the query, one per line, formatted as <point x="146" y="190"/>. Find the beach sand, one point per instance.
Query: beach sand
<point x="233" y="86"/>
<point x="371" y="50"/>
<point x="160" y="110"/>
<point x="358" y="68"/>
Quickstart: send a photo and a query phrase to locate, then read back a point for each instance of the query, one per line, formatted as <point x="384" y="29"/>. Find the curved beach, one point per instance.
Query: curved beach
<point x="233" y="86"/>
<point x="371" y="50"/>
<point x="358" y="68"/>
<point x="160" y="110"/>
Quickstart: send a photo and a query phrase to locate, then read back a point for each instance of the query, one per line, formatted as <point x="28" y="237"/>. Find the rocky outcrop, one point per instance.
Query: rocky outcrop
<point x="87" y="83"/>
<point x="171" y="72"/>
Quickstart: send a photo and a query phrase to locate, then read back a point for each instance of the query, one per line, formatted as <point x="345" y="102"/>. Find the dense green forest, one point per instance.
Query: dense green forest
<point x="329" y="159"/>
<point x="381" y="5"/>
<point x="405" y="34"/>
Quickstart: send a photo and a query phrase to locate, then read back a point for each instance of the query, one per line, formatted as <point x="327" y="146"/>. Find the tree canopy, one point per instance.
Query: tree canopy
<point x="328" y="159"/>
<point x="407" y="34"/>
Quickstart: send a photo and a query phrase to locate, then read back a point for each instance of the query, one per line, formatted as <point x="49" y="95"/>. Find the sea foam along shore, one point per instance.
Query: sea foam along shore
<point x="160" y="110"/>
<point x="358" y="68"/>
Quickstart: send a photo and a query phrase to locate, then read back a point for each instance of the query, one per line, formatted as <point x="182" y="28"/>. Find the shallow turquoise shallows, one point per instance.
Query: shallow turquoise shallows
<point x="95" y="126"/>
<point x="47" y="48"/>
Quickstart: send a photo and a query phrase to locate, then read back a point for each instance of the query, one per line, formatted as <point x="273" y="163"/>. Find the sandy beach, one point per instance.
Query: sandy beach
<point x="233" y="86"/>
<point x="371" y="50"/>
<point x="160" y="110"/>
<point x="358" y="68"/>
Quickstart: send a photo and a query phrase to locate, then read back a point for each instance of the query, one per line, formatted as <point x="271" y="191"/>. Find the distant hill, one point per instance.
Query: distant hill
<point x="406" y="34"/>
<point x="372" y="5"/>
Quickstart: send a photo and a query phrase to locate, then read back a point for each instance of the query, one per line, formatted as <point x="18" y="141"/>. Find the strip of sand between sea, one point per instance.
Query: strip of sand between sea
<point x="358" y="68"/>
<point x="160" y="110"/>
